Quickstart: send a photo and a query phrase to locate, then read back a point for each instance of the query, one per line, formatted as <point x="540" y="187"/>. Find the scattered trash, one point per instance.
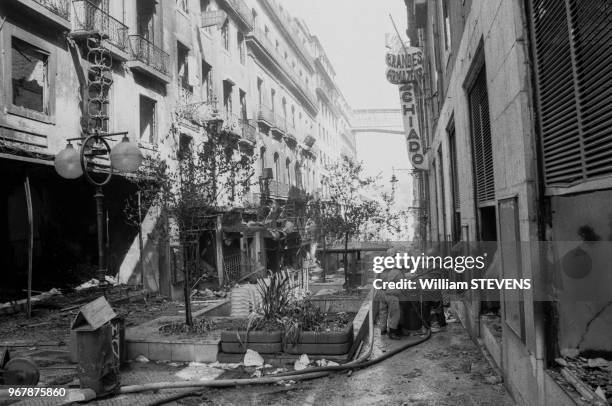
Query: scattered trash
<point x="256" y="374"/>
<point x="173" y="364"/>
<point x="277" y="371"/>
<point x="198" y="371"/>
<point x="561" y="362"/>
<point x="325" y="363"/>
<point x="301" y="363"/>
<point x="598" y="363"/>
<point x="252" y="359"/>
<point x="110" y="279"/>
<point x="92" y="283"/>
<point x="141" y="358"/>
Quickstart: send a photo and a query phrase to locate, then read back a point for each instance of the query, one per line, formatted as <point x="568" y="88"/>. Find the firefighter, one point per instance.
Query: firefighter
<point x="388" y="299"/>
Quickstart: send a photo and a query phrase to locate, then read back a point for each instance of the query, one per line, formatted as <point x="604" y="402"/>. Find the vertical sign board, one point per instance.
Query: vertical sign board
<point x="405" y="69"/>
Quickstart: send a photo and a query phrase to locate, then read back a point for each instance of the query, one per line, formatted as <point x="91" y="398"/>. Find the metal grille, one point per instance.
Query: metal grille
<point x="574" y="68"/>
<point x="481" y="140"/>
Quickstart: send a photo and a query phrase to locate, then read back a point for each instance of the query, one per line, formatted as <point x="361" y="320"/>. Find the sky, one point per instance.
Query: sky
<point x="353" y="35"/>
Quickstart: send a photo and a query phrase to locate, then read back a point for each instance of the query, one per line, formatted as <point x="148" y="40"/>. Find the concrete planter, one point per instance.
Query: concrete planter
<point x="322" y="343"/>
<point x="236" y="336"/>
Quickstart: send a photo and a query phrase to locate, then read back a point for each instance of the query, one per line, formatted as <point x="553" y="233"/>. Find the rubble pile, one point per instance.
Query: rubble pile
<point x="596" y="373"/>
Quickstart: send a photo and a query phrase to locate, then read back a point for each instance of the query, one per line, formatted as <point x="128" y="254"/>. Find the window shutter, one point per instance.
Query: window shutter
<point x="593" y="36"/>
<point x="481" y="140"/>
<point x="574" y="72"/>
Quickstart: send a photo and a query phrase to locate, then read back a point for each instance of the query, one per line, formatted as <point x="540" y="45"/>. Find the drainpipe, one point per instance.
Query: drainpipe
<point x="539" y="312"/>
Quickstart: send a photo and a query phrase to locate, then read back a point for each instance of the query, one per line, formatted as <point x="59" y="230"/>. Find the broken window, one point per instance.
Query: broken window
<point x="148" y="132"/>
<point x="30" y="76"/>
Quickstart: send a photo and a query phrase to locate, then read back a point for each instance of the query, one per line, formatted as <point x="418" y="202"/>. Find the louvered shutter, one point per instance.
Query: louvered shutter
<point x="574" y="72"/>
<point x="592" y="22"/>
<point x="481" y="140"/>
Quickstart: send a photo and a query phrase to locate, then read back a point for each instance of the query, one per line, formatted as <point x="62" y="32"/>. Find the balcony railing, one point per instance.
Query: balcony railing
<point x="58" y="7"/>
<point x="231" y="123"/>
<point x="266" y="115"/>
<point x="248" y="131"/>
<point x="185" y="94"/>
<point x="263" y="39"/>
<point x="90" y="18"/>
<point x="146" y="52"/>
<point x="278" y="189"/>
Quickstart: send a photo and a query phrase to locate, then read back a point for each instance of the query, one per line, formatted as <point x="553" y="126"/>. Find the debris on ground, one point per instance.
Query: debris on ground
<point x="198" y="371"/>
<point x="252" y="359"/>
<point x="20" y="305"/>
<point x="92" y="283"/>
<point x="325" y="363"/>
<point x="141" y="358"/>
<point x="301" y="363"/>
<point x="590" y="377"/>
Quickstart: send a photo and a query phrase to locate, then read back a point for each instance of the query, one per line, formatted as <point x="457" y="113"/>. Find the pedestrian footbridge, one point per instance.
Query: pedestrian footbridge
<point x="388" y="121"/>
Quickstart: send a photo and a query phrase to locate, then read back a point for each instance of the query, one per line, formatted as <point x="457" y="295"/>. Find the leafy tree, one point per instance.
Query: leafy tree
<point x="349" y="202"/>
<point x="204" y="180"/>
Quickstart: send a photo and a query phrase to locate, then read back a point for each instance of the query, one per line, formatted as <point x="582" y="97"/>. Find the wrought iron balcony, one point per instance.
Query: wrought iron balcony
<point x="249" y="132"/>
<point x="88" y="18"/>
<point x="278" y="189"/>
<point x="231" y="124"/>
<point x="185" y="94"/>
<point x="57" y="7"/>
<point x="265" y="116"/>
<point x="150" y="54"/>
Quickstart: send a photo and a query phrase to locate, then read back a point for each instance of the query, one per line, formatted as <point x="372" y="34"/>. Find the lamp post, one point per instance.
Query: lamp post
<point x="124" y="157"/>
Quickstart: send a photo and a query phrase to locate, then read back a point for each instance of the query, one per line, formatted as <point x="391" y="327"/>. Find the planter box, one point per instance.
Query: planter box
<point x="322" y="343"/>
<point x="318" y="349"/>
<point x="262" y="348"/>
<point x="235" y="336"/>
<point x="264" y="342"/>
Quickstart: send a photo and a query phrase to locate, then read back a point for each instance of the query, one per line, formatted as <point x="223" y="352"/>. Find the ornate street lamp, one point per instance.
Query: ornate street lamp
<point x="124" y="157"/>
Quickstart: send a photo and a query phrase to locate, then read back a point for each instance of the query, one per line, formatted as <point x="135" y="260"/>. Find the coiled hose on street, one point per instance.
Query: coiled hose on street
<point x="305" y="374"/>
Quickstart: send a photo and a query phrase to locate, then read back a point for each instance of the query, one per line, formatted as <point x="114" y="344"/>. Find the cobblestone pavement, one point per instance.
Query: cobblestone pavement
<point x="446" y="370"/>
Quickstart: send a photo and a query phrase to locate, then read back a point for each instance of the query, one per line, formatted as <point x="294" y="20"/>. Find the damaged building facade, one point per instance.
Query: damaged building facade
<point x="249" y="63"/>
<point x="517" y="122"/>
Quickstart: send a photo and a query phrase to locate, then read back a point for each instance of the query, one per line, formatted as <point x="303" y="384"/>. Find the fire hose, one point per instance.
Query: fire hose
<point x="305" y="374"/>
